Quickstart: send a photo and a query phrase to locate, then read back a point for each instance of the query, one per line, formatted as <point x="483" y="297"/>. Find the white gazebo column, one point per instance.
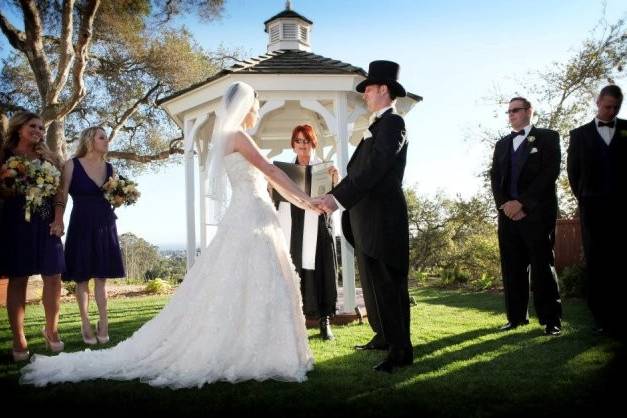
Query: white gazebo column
<point x="348" y="256"/>
<point x="189" y="192"/>
<point x="190" y="128"/>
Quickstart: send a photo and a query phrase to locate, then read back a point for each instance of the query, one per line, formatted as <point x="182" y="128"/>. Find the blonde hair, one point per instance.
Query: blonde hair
<point x="86" y="140"/>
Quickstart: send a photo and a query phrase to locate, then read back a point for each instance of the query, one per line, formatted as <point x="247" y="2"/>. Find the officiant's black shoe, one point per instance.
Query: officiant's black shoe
<point x="513" y="325"/>
<point x="325" y="328"/>
<point x="372" y="345"/>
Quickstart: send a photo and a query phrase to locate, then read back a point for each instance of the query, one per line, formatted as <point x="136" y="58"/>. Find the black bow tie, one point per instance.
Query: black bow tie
<point x="521" y="132"/>
<point x="609" y="124"/>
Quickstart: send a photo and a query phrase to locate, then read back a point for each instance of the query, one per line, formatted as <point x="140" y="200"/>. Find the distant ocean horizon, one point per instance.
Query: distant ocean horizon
<point x="171" y="246"/>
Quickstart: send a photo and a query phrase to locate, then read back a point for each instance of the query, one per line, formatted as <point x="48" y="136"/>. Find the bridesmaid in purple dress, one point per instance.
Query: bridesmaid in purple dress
<point x="92" y="249"/>
<point x="29" y="248"/>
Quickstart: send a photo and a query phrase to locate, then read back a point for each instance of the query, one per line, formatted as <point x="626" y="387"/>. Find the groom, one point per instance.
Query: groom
<point x="374" y="220"/>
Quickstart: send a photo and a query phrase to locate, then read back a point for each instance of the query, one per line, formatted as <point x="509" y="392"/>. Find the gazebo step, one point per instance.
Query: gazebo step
<point x="343" y="318"/>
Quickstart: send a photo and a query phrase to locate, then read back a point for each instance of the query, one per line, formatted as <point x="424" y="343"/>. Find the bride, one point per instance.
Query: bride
<point x="237" y="314"/>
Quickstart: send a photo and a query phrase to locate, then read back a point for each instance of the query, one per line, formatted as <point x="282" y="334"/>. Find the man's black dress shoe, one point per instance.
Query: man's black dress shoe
<point x="552" y="330"/>
<point x="371" y="345"/>
<point x="390" y="363"/>
<point x="512" y="325"/>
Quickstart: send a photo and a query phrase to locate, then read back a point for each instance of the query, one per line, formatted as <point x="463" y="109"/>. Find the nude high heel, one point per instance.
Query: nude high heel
<point x="54" y="346"/>
<point x="20" y="355"/>
<point x="101" y="340"/>
<point x="88" y="340"/>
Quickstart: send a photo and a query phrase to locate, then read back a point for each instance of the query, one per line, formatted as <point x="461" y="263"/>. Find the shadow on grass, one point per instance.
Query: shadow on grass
<point x="477" y="372"/>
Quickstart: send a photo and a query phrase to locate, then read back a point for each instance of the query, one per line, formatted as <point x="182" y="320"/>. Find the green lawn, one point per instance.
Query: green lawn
<point x="463" y="367"/>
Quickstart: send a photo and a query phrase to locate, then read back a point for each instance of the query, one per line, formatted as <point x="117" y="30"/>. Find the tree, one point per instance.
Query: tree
<point x="456" y="236"/>
<point x="563" y="95"/>
<point x="428" y="241"/>
<point x="139" y="255"/>
<point x="82" y="63"/>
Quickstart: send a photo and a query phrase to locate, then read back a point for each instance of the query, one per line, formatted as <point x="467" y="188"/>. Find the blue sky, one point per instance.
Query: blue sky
<point x="451" y="52"/>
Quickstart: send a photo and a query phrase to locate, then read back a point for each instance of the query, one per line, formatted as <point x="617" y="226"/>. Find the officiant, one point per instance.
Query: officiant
<point x="310" y="238"/>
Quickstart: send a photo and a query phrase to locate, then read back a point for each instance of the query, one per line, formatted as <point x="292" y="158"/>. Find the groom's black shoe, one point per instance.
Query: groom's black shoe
<point x="372" y="345"/>
<point x="395" y="360"/>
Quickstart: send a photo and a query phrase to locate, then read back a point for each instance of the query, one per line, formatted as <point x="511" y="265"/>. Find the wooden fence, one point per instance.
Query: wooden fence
<point x="568" y="245"/>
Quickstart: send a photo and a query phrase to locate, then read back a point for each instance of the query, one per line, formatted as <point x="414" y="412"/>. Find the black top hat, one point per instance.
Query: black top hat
<point x="383" y="72"/>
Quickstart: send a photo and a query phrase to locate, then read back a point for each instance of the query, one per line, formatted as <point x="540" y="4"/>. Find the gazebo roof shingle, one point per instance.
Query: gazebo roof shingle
<point x="283" y="62"/>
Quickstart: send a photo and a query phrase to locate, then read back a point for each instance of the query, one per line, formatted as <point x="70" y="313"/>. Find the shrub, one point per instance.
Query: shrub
<point x="70" y="287"/>
<point x="572" y="281"/>
<point x="484" y="282"/>
<point x="158" y="286"/>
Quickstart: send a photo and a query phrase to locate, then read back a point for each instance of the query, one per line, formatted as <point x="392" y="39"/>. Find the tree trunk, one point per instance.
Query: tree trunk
<point x="4" y="128"/>
<point x="55" y="137"/>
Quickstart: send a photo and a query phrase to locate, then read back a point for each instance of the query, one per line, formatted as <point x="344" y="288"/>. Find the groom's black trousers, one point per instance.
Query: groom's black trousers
<point x="386" y="296"/>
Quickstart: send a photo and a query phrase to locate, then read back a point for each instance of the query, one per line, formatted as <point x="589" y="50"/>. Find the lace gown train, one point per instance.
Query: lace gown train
<point x="236" y="316"/>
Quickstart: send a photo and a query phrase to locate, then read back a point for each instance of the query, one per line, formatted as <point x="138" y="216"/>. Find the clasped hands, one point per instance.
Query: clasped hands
<point x="513" y="209"/>
<point x="325" y="203"/>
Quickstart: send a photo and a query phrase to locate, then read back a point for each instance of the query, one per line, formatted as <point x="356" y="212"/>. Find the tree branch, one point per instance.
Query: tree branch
<point x="81" y="50"/>
<point x="130" y="111"/>
<point x="16" y="38"/>
<point x="132" y="156"/>
<point x="66" y="53"/>
<point x="34" y="46"/>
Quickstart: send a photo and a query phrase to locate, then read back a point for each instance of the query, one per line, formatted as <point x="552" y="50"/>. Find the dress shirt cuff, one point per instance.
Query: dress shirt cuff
<point x="339" y="205"/>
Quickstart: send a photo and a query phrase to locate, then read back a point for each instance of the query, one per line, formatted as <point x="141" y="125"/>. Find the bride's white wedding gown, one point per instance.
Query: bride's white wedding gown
<point x="236" y="315"/>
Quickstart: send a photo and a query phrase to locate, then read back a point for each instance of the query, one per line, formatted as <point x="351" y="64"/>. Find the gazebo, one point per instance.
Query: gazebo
<point x="295" y="86"/>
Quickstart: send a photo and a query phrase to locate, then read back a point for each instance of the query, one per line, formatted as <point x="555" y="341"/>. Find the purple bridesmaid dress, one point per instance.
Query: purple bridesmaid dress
<point x="92" y="249"/>
<point x="27" y="248"/>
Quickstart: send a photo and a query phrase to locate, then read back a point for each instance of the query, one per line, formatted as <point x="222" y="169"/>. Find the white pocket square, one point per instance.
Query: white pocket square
<point x="367" y="134"/>
<point x="533" y="150"/>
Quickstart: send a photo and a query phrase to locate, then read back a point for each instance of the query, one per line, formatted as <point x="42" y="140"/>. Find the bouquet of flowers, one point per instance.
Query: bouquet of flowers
<point x="120" y="191"/>
<point x="34" y="179"/>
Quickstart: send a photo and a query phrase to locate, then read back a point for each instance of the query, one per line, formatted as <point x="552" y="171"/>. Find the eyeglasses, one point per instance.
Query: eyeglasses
<point x="302" y="141"/>
<point x="515" y="110"/>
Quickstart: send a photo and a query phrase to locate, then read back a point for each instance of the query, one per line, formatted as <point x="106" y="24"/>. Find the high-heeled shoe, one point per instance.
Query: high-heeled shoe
<point x="54" y="346"/>
<point x="88" y="340"/>
<point x="101" y="340"/>
<point x="20" y="355"/>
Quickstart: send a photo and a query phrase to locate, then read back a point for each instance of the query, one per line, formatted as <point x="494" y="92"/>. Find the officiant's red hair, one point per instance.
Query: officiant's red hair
<point x="307" y="131"/>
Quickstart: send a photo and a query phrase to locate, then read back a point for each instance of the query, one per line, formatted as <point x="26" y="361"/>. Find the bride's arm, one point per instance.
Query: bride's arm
<point x="243" y="144"/>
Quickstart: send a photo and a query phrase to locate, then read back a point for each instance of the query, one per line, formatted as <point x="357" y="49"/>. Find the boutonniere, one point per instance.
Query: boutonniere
<point x="531" y="138"/>
<point x="623" y="132"/>
<point x="367" y="134"/>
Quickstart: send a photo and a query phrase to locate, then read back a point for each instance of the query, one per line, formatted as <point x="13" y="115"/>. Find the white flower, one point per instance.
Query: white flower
<point x="531" y="138"/>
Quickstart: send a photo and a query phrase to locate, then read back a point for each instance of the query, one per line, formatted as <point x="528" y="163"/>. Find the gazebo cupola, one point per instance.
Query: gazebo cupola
<point x="288" y="30"/>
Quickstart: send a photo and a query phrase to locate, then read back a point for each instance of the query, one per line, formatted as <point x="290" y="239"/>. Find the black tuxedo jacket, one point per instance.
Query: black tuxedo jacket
<point x="372" y="194"/>
<point x="586" y="172"/>
<point x="539" y="172"/>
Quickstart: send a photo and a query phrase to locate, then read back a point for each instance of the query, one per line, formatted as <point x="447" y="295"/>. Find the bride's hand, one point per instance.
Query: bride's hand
<point x="311" y="205"/>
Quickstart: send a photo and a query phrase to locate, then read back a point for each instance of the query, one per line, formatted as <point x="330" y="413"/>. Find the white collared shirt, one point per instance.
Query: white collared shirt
<point x="606" y="132"/>
<point x="518" y="139"/>
<point x="380" y="112"/>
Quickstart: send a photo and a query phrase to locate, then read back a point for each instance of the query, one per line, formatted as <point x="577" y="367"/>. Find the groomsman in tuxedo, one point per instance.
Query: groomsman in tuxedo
<point x="375" y="221"/>
<point x="524" y="170"/>
<point x="597" y="171"/>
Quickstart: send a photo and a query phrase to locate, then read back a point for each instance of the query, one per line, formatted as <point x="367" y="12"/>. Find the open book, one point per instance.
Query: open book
<point x="314" y="180"/>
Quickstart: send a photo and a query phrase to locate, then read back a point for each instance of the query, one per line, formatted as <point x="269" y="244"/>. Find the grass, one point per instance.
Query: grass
<point x="462" y="366"/>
